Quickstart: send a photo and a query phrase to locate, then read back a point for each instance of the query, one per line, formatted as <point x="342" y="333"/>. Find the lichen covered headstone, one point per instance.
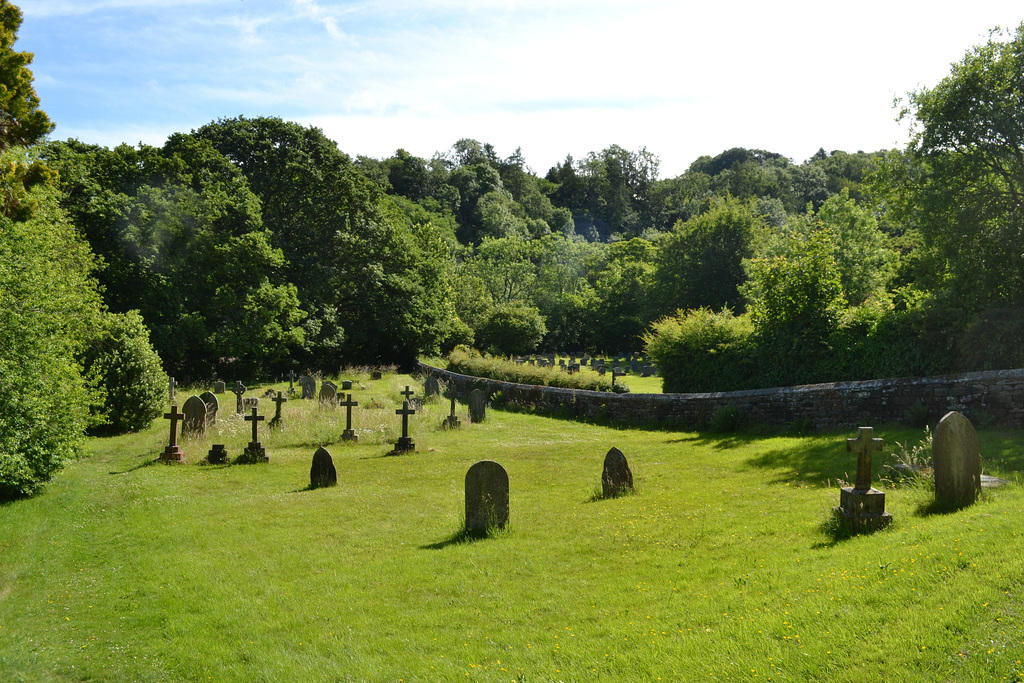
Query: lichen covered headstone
<point x="486" y="497"/>
<point x="477" y="406"/>
<point x="957" y="460"/>
<point x="616" y="478"/>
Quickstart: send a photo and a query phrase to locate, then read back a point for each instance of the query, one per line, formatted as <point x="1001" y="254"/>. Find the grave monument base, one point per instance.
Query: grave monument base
<point x="451" y="422"/>
<point x="349" y="435"/>
<point x="217" y="455"/>
<point x="254" y="453"/>
<point x="863" y="510"/>
<point x="172" y="455"/>
<point x="405" y="444"/>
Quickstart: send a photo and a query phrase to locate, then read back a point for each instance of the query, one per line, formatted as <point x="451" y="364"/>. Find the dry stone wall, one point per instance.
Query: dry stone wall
<point x="995" y="397"/>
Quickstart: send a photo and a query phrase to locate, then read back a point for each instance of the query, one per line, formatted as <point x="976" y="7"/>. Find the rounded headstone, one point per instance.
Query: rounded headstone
<point x="957" y="460"/>
<point x="616" y="478"/>
<point x="212" y="406"/>
<point x="322" y="472"/>
<point x="431" y="387"/>
<point x="194" y="421"/>
<point x="486" y="497"/>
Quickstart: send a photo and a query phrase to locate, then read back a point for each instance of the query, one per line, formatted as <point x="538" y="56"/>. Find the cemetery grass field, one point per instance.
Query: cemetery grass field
<point x="721" y="567"/>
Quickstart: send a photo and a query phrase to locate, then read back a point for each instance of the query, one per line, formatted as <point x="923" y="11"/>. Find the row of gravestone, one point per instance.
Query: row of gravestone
<point x="956" y="467"/>
<point x="487" y="487"/>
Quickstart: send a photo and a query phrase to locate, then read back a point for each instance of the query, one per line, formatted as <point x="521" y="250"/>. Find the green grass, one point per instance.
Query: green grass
<point x="721" y="567"/>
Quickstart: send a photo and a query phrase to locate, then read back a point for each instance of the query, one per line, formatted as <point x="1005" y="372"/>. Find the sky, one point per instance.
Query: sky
<point x="681" y="79"/>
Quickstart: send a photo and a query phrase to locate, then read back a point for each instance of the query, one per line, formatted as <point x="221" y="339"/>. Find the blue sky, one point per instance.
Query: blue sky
<point x="682" y="79"/>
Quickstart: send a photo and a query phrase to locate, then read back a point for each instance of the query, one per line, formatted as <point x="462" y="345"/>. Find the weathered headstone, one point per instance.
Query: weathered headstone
<point x="194" y="423"/>
<point x="862" y="506"/>
<point x="218" y="454"/>
<point x="173" y="453"/>
<point x="269" y="393"/>
<point x="477" y="406"/>
<point x="171" y="384"/>
<point x="291" y="382"/>
<point x="219" y="387"/>
<point x="405" y="443"/>
<point x="250" y="403"/>
<point x="616" y="478"/>
<point x="212" y="406"/>
<point x="348" y="434"/>
<point x="957" y="460"/>
<point x="486" y="497"/>
<point x="308" y="385"/>
<point x="452" y="421"/>
<point x="254" y="452"/>
<point x="275" y="422"/>
<point x="322" y="472"/>
<point x="431" y="387"/>
<point x="238" y="390"/>
<point x="328" y="392"/>
<point x="376" y="374"/>
<point x="346" y="385"/>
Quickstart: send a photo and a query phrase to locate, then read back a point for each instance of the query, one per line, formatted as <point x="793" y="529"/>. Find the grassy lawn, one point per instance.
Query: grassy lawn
<point x="719" y="568"/>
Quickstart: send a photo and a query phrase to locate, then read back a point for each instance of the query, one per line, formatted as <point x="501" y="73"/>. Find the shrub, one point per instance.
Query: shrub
<point x="511" y="328"/>
<point x="471" y="362"/>
<point x="701" y="350"/>
<point x="123" y="363"/>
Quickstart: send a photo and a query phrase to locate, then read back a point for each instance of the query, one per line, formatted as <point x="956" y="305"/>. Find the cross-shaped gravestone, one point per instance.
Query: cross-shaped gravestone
<point x="452" y="421"/>
<point x="616" y="372"/>
<point x="171" y="384"/>
<point x="864" y="445"/>
<point x="405" y="444"/>
<point x="238" y="390"/>
<point x="255" y="419"/>
<point x="408" y="393"/>
<point x="173" y="452"/>
<point x="291" y="381"/>
<point x="279" y="399"/>
<point x="348" y="434"/>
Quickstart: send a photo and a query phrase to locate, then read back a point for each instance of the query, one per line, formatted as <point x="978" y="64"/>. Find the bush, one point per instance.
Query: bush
<point x="512" y="329"/>
<point x="470" y="362"/>
<point x="122" y="362"/>
<point x="701" y="350"/>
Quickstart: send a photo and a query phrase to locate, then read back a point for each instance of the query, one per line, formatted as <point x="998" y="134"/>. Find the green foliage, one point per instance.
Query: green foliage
<point x="49" y="309"/>
<point x="122" y="362"/>
<point x="471" y="362"/>
<point x="511" y="328"/>
<point x="22" y="122"/>
<point x="702" y="350"/>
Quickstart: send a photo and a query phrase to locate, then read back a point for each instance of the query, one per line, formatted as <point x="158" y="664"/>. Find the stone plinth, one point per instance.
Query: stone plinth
<point x="217" y="455"/>
<point x="254" y="453"/>
<point x="405" y="444"/>
<point x="349" y="435"/>
<point x="172" y="455"/>
<point x="863" y="510"/>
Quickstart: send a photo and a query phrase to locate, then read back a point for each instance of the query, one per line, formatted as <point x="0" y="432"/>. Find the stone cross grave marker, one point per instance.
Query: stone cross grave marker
<point x="238" y="390"/>
<point x="322" y="472"/>
<point x="486" y="497"/>
<point x="308" y="385"/>
<point x="408" y="393"/>
<point x="348" y="434"/>
<point x="173" y="452"/>
<point x="477" y="406"/>
<point x="219" y="387"/>
<point x="616" y="373"/>
<point x="328" y="392"/>
<point x="291" y="381"/>
<point x="862" y="506"/>
<point x="452" y="421"/>
<point x="957" y="460"/>
<point x="405" y="443"/>
<point x="171" y="384"/>
<point x="255" y="452"/>
<point x="194" y="411"/>
<point x="431" y="387"/>
<point x="212" y="406"/>
<point x="616" y="478"/>
<point x="278" y="400"/>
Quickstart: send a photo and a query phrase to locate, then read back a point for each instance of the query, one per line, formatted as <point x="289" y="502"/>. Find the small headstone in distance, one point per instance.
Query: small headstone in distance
<point x="346" y="385"/>
<point x="308" y="385"/>
<point x="376" y="374"/>
<point x="486" y="497"/>
<point x="452" y="421"/>
<point x="218" y="454"/>
<point x="219" y="387"/>
<point x="431" y="387"/>
<point x="194" y="423"/>
<point x="616" y="478"/>
<point x="173" y="453"/>
<point x="957" y="460"/>
<point x="269" y="393"/>
<point x="322" y="472"/>
<point x="212" y="406"/>
<point x="328" y="392"/>
<point x="477" y="406"/>
<point x="250" y="403"/>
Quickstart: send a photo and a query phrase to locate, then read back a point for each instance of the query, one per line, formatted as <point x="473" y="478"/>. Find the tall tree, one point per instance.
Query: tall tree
<point x="22" y="122"/>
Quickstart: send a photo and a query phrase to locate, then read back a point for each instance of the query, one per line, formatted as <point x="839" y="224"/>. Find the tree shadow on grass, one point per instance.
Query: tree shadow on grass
<point x="815" y="461"/>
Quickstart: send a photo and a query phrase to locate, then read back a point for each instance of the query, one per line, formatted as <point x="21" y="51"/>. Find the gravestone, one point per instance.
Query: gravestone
<point x="194" y="423"/>
<point x="173" y="453"/>
<point x="486" y="497"/>
<point x="250" y="403"/>
<point x="408" y="393"/>
<point x="601" y="370"/>
<point x="634" y="365"/>
<point x="376" y="374"/>
<point x="957" y="461"/>
<point x="431" y="387"/>
<point x="219" y="387"/>
<point x="452" y="421"/>
<point x="254" y="452"/>
<point x="328" y="392"/>
<point x="238" y="390"/>
<point x="477" y="406"/>
<point x="269" y="393"/>
<point x="348" y="434"/>
<point x="308" y="385"/>
<point x="291" y="382"/>
<point x="647" y="371"/>
<point x="616" y="373"/>
<point x="275" y="422"/>
<point x="218" y="454"/>
<point x="322" y="472"/>
<point x="616" y="478"/>
<point x="405" y="444"/>
<point x="863" y="507"/>
<point x="346" y="385"/>
<point x="171" y="384"/>
<point x="212" y="406"/>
